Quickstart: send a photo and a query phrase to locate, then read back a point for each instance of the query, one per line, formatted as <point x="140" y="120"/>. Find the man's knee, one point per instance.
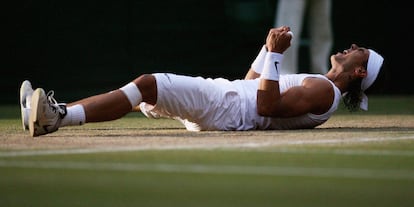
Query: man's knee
<point x="148" y="87"/>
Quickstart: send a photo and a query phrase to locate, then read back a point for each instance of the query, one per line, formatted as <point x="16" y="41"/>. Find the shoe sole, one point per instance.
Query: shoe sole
<point x="35" y="111"/>
<point x="23" y="89"/>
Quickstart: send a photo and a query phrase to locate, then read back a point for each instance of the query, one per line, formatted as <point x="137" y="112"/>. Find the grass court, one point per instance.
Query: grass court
<point x="354" y="159"/>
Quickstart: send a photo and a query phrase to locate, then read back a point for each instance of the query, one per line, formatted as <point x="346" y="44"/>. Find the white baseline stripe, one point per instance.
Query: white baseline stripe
<point x="218" y="169"/>
<point x="350" y="152"/>
<point x="248" y="145"/>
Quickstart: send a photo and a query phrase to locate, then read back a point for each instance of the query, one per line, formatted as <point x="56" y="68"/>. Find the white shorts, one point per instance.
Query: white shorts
<point x="199" y="103"/>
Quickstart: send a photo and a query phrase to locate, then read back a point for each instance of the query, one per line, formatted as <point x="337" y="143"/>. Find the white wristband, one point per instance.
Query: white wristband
<point x="258" y="63"/>
<point x="272" y="66"/>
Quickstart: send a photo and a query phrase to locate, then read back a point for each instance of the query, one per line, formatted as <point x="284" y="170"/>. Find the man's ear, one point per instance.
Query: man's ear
<point x="360" y="72"/>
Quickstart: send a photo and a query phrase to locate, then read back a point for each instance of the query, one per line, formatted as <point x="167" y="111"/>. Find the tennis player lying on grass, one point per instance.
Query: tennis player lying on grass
<point x="263" y="100"/>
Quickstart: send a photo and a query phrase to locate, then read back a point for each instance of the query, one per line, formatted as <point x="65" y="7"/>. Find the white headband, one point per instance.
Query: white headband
<point x="373" y="67"/>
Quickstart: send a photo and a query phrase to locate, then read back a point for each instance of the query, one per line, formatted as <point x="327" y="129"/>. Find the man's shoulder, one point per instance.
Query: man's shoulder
<point x="318" y="82"/>
<point x="321" y="93"/>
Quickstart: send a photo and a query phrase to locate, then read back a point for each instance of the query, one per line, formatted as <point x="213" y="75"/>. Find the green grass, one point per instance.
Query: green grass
<point x="294" y="177"/>
<point x="372" y="173"/>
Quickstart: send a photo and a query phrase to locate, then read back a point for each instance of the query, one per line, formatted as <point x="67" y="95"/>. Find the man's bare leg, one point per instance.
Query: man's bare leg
<point x="115" y="104"/>
<point x="47" y="115"/>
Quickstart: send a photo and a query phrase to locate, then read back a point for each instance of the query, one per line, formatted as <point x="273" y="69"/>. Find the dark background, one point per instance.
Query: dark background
<point x="80" y="48"/>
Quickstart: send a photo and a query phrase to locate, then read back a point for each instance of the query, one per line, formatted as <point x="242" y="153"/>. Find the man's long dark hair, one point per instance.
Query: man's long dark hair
<point x="353" y="97"/>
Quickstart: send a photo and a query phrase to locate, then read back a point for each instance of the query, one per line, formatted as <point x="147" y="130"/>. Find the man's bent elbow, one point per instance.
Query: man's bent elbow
<point x="265" y="111"/>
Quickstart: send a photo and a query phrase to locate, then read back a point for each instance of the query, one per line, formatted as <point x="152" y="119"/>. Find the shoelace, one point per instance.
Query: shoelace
<point x="54" y="104"/>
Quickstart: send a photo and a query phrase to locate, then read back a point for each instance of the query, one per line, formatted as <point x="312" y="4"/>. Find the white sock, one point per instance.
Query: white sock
<point x="75" y="116"/>
<point x="133" y="94"/>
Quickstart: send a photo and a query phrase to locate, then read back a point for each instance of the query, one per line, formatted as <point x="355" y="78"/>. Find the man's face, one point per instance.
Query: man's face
<point x="350" y="58"/>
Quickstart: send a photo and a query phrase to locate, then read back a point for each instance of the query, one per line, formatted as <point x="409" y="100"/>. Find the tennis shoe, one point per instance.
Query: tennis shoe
<point x="26" y="92"/>
<point x="46" y="114"/>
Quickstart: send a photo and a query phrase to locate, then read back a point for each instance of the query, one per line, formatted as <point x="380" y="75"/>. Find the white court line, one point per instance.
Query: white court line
<point x="401" y="153"/>
<point x="354" y="173"/>
<point x="248" y="145"/>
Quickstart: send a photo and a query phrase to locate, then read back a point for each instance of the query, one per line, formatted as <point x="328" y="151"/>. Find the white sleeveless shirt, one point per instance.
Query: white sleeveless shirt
<point x="251" y="120"/>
